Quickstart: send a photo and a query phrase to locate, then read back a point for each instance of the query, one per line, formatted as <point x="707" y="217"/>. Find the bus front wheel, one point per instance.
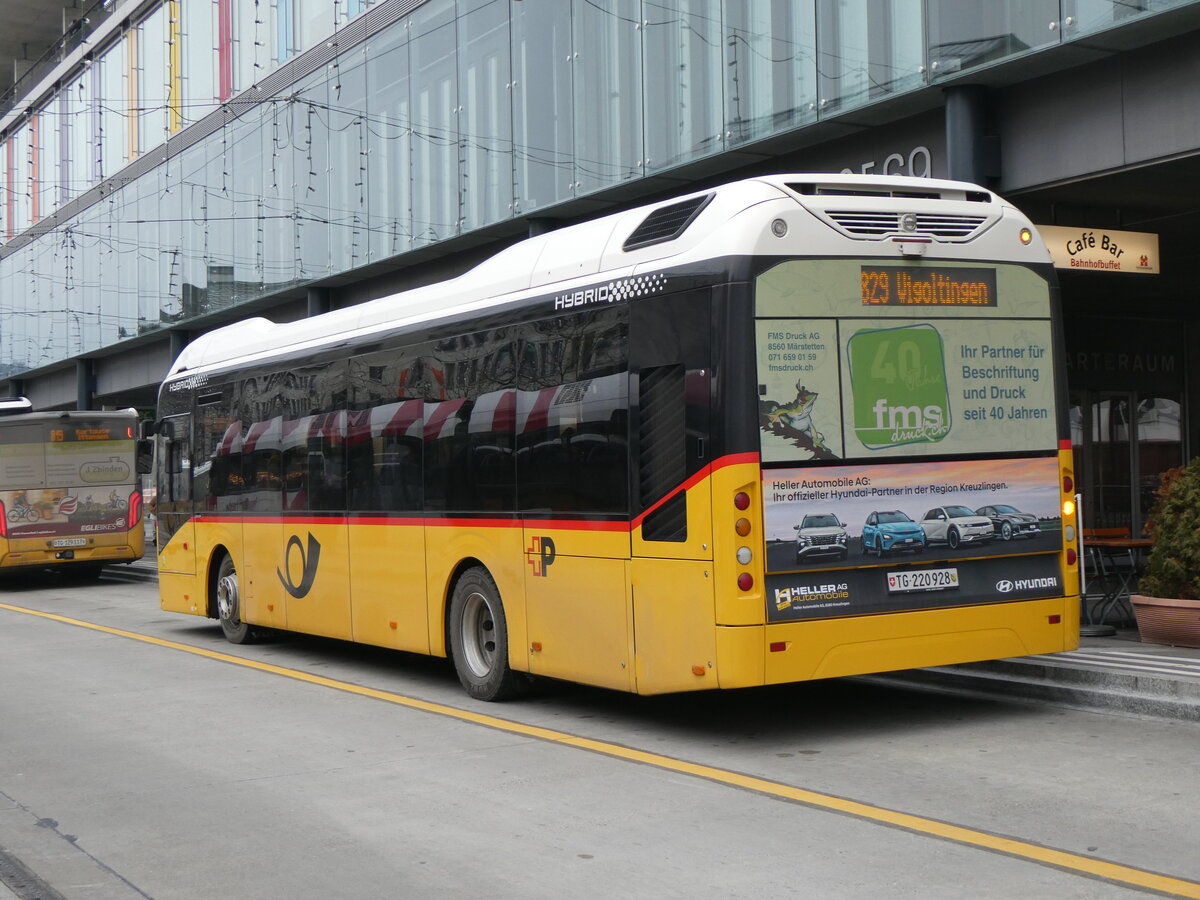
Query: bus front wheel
<point x="229" y="606"/>
<point x="479" y="639"/>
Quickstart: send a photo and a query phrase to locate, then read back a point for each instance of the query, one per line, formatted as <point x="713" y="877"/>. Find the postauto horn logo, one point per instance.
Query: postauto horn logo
<point x="898" y="377"/>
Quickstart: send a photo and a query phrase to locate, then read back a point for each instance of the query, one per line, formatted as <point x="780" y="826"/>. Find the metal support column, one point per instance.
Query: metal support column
<point x="85" y="384"/>
<point x="971" y="153"/>
<point x="318" y="301"/>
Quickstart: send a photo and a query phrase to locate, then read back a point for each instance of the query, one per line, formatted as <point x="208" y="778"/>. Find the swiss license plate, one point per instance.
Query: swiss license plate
<point x="69" y="542"/>
<point x="923" y="580"/>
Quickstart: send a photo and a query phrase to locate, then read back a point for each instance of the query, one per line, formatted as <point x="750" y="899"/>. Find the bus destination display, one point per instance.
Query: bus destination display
<point x="59" y="435"/>
<point x="910" y="286"/>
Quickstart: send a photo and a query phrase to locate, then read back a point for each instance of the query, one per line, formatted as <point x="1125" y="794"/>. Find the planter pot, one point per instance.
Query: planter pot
<point x="1163" y="620"/>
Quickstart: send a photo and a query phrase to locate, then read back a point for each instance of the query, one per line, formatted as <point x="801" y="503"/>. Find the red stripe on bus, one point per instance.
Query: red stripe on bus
<point x="1064" y="444"/>
<point x="734" y="459"/>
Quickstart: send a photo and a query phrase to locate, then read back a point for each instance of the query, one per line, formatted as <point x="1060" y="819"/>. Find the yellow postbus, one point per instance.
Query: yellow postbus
<point x="70" y="494"/>
<point x="792" y="427"/>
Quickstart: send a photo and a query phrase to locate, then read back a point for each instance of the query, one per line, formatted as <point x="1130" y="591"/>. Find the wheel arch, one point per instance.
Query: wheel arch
<point x="213" y="566"/>
<point x="463" y="565"/>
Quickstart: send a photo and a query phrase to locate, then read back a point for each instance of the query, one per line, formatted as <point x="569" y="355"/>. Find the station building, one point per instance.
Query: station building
<point x="169" y="166"/>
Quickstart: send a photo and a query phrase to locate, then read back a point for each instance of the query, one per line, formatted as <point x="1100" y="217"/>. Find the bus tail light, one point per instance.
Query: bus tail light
<point x="135" y="508"/>
<point x="1072" y="556"/>
<point x="741" y="500"/>
<point x="745" y="581"/>
<point x="3" y="521"/>
<point x="1068" y="484"/>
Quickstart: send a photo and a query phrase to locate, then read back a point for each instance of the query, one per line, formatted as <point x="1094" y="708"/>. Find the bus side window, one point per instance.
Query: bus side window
<point x="573" y="409"/>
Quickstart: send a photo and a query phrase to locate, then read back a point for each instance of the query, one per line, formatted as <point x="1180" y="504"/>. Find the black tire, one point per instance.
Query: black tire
<point x="227" y="600"/>
<point x="1006" y="531"/>
<point x="479" y="639"/>
<point x="952" y="538"/>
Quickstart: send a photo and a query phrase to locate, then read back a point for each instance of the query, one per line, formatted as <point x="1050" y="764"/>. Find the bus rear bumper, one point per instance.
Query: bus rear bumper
<point x="832" y="648"/>
<point x="72" y="556"/>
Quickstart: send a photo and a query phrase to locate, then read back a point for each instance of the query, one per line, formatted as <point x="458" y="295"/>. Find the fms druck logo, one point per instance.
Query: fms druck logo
<point x="540" y="555"/>
<point x="308" y="560"/>
<point x="898" y="376"/>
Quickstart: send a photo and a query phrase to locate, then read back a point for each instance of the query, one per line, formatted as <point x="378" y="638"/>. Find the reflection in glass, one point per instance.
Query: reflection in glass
<point x="770" y="67"/>
<point x="1086" y="16"/>
<point x="434" y="122"/>
<point x="682" y="87"/>
<point x="608" y="93"/>
<point x="966" y="35"/>
<point x="1159" y="444"/>
<point x="543" y="123"/>
<point x="485" y="118"/>
<point x="389" y="150"/>
<point x="1111" y="502"/>
<point x="867" y="50"/>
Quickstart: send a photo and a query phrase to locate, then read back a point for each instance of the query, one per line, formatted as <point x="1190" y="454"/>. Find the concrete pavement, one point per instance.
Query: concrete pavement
<point x="1117" y="673"/>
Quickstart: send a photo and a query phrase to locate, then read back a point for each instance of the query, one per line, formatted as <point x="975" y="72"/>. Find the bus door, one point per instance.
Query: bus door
<point x="174" y="529"/>
<point x="673" y="595"/>
<point x="573" y="475"/>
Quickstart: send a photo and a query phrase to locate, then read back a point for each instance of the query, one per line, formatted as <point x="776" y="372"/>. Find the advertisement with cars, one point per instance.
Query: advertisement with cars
<point x="910" y="535"/>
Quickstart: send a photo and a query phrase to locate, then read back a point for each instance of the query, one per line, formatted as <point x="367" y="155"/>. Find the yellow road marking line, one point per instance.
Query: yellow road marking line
<point x="1021" y="849"/>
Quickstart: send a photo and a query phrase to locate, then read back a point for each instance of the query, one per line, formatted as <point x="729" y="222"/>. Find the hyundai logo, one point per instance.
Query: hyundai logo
<point x="1004" y="586"/>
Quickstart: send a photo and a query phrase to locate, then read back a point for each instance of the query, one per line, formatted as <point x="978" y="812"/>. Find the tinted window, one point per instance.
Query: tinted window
<point x="261" y="404"/>
<point x="572" y="414"/>
<point x="470" y="417"/>
<point x="384" y="430"/>
<point x="313" y="437"/>
<point x="217" y="479"/>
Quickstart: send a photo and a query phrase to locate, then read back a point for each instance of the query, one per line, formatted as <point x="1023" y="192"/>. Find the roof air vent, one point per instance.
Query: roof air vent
<point x="666" y="223"/>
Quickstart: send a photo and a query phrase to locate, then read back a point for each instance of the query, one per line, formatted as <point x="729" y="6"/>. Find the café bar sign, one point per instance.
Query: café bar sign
<point x="1101" y="250"/>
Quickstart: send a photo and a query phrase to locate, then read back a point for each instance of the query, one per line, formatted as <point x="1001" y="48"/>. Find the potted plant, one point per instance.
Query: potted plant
<point x="1168" y="608"/>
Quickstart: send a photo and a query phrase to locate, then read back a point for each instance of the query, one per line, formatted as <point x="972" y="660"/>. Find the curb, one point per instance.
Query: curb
<point x="1043" y="680"/>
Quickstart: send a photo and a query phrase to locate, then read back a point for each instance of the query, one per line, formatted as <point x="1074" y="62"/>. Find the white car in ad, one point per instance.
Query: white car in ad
<point x="821" y="534"/>
<point x="955" y="525"/>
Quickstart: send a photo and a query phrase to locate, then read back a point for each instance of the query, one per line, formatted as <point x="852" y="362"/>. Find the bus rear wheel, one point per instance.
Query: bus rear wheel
<point x="479" y="639"/>
<point x="229" y="606"/>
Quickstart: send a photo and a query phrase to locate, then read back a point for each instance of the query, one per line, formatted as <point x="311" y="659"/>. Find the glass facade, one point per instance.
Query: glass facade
<point x="458" y="116"/>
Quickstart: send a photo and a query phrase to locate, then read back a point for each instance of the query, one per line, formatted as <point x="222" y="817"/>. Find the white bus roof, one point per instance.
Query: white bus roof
<point x="826" y="215"/>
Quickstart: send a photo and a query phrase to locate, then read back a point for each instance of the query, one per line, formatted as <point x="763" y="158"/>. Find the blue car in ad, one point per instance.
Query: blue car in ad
<point x="890" y="531"/>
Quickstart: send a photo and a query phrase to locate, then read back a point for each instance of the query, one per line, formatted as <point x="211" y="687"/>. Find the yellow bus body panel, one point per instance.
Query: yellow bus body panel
<point x="579" y="605"/>
<point x="256" y="558"/>
<point x="733" y="606"/>
<point x="673" y="624"/>
<point x="324" y="608"/>
<point x="178" y="593"/>
<point x="178" y="557"/>
<point x="387" y="585"/>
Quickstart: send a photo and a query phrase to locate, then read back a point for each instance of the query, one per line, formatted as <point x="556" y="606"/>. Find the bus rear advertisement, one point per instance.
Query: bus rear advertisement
<point x="70" y="494"/>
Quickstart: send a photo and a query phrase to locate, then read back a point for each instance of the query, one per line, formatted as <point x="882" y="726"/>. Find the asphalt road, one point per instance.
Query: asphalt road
<point x="143" y="757"/>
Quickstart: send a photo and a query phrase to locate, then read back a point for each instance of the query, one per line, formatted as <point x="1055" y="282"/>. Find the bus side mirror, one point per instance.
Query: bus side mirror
<point x="144" y="459"/>
<point x="147" y="428"/>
